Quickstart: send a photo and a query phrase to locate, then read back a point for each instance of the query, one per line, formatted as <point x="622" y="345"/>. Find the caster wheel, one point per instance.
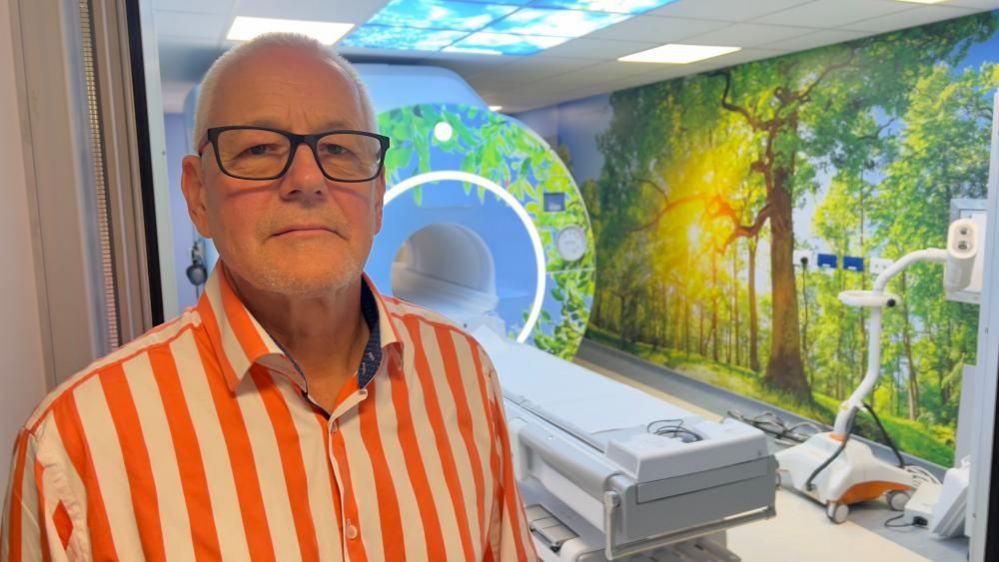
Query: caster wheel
<point x="782" y="479"/>
<point x="837" y="512"/>
<point x="897" y="499"/>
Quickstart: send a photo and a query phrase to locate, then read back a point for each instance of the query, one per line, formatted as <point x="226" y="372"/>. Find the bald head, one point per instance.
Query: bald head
<point x="233" y="68"/>
<point x="301" y="232"/>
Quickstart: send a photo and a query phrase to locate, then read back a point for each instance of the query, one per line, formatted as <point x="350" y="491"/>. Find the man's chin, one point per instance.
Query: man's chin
<point x="305" y="282"/>
<point x="313" y="285"/>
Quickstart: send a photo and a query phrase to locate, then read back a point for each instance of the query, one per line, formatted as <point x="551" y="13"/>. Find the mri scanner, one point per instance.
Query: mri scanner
<point x="483" y="223"/>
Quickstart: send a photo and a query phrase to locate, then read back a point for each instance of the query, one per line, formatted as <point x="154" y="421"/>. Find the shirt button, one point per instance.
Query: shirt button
<point x="351" y="531"/>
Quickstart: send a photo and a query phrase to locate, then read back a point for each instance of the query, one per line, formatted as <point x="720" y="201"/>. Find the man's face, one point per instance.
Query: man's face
<point x="300" y="234"/>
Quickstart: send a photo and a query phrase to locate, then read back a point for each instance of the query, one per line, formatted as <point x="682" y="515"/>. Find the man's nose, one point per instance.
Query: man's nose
<point x="303" y="176"/>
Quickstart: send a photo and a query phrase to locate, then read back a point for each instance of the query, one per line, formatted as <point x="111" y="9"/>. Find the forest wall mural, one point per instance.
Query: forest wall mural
<point x="702" y="189"/>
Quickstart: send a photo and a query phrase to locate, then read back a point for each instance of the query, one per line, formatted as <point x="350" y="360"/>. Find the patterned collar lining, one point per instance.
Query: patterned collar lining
<point x="372" y="357"/>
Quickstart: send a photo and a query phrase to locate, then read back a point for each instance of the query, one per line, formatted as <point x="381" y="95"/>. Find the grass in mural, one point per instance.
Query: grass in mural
<point x="931" y="442"/>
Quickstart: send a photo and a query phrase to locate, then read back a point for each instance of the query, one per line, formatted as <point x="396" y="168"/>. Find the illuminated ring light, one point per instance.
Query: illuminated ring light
<point x="453" y="144"/>
<point x="532" y="231"/>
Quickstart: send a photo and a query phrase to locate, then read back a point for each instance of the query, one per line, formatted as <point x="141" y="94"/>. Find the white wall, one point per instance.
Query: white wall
<point x="22" y="379"/>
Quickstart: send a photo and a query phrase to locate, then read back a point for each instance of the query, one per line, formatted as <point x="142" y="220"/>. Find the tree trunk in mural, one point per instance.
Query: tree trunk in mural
<point x="785" y="369"/>
<point x="735" y="306"/>
<point x="714" y="307"/>
<point x="754" y="317"/>
<point x="913" y="385"/>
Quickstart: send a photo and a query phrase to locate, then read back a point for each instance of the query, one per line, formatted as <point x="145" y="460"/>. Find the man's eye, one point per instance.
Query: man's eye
<point x="258" y="150"/>
<point x="335" y="150"/>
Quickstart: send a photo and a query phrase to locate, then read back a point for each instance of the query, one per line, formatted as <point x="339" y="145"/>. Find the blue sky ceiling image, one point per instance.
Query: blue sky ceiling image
<point x="500" y="27"/>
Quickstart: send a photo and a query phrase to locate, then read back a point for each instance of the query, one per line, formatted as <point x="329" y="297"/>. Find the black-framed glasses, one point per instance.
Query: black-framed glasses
<point x="264" y="153"/>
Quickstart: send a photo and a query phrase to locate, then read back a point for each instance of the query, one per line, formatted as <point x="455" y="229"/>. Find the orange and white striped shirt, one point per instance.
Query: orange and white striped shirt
<point x="197" y="441"/>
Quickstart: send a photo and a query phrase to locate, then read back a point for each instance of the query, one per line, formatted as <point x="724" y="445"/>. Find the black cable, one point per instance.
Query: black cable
<point x="916" y="522"/>
<point x="770" y="423"/>
<point x="884" y="432"/>
<point x="849" y="431"/>
<point x="673" y="428"/>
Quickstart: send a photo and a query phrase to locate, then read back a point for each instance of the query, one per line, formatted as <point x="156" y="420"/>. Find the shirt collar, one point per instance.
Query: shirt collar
<point x="239" y="341"/>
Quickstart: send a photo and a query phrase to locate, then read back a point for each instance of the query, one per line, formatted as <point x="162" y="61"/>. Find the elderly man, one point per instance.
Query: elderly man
<point x="294" y="413"/>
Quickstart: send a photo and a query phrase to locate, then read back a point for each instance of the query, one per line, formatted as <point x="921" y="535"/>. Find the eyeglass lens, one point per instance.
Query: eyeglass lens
<point x="255" y="153"/>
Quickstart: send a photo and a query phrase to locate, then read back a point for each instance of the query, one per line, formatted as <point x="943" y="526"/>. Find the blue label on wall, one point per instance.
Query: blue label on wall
<point x="853" y="264"/>
<point x="554" y="202"/>
<point x="828" y="261"/>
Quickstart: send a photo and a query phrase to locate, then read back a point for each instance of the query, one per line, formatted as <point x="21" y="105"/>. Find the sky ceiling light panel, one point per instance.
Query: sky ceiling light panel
<point x="405" y="38"/>
<point x="679" y="54"/>
<point x="497" y="27"/>
<point x="554" y="23"/>
<point x="632" y="7"/>
<point x="457" y="16"/>
<point x="245" y="28"/>
<point x="505" y="44"/>
<point x="510" y="2"/>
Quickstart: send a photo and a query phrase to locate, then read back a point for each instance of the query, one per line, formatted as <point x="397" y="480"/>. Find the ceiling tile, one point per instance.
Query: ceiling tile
<point x="910" y="18"/>
<point x="728" y="10"/>
<point x="667" y="72"/>
<point x="531" y="69"/>
<point x="656" y="29"/>
<point x="380" y="55"/>
<point x="834" y="13"/>
<point x="748" y="35"/>
<point x="189" y="33"/>
<point x="597" y="49"/>
<point x="600" y="73"/>
<point x="816" y="39"/>
<point x="468" y="64"/>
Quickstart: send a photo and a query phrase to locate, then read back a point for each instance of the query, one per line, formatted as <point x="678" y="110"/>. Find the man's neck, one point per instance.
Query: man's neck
<point x="324" y="334"/>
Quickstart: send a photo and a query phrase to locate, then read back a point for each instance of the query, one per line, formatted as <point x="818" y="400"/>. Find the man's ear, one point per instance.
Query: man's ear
<point x="379" y="200"/>
<point x="195" y="193"/>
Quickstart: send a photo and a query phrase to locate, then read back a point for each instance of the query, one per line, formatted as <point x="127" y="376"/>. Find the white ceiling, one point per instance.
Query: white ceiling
<point x="191" y="34"/>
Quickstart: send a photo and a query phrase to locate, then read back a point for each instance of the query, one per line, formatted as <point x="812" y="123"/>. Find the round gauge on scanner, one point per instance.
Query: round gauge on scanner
<point x="571" y="243"/>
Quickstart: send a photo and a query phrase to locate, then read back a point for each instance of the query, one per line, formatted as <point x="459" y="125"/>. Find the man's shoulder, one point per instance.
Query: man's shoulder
<point x="404" y="311"/>
<point x="414" y="317"/>
<point x="106" y="366"/>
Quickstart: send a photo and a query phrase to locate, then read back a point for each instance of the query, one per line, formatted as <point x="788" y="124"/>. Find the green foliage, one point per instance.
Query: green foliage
<point x="501" y="150"/>
<point x="877" y="136"/>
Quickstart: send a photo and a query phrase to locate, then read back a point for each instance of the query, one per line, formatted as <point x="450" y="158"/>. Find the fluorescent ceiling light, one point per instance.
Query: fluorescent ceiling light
<point x="381" y="37"/>
<point x="495" y="107"/>
<point x="679" y="54"/>
<point x="463" y="16"/>
<point x="923" y="1"/>
<point x="633" y="7"/>
<point x="246" y="28"/>
<point x="556" y="23"/>
<point x="505" y="44"/>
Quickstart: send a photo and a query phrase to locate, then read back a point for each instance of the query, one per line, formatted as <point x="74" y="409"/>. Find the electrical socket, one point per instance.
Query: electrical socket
<point x="807" y="255"/>
<point x="879" y="265"/>
<point x="962" y="238"/>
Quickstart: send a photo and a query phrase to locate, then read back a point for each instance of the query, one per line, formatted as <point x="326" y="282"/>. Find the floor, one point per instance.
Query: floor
<point x="801" y="530"/>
